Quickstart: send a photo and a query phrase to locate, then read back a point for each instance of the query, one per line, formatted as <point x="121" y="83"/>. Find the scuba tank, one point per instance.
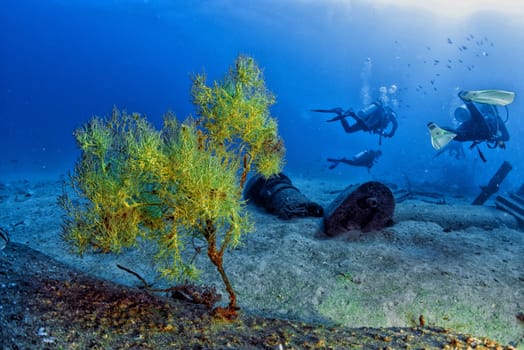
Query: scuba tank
<point x="371" y="116"/>
<point x="367" y="111"/>
<point x="359" y="155"/>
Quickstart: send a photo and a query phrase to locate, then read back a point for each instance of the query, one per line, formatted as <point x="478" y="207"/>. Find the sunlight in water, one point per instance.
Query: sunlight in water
<point x="464" y="8"/>
<point x="447" y="8"/>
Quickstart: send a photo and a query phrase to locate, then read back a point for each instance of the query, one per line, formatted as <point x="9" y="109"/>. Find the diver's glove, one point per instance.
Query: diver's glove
<point x="278" y="196"/>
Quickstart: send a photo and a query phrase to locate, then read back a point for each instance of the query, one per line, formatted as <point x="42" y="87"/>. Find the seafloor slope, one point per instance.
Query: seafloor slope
<point x="459" y="267"/>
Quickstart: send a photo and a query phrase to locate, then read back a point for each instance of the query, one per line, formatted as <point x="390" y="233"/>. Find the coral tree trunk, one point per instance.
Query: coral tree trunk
<point x="216" y="258"/>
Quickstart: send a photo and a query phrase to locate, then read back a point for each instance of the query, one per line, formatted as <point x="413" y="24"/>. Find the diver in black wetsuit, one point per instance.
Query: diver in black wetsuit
<point x="374" y="118"/>
<point x="479" y="121"/>
<point x="484" y="124"/>
<point x="366" y="158"/>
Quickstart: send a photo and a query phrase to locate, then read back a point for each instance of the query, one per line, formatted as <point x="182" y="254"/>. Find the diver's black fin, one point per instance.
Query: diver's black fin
<point x="336" y="110"/>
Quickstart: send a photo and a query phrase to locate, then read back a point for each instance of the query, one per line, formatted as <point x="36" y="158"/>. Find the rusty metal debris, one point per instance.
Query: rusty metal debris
<point x="366" y="207"/>
<point x="279" y="196"/>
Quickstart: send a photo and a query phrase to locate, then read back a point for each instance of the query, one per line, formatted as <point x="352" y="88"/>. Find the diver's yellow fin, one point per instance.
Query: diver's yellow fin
<point x="439" y="137"/>
<point x="492" y="97"/>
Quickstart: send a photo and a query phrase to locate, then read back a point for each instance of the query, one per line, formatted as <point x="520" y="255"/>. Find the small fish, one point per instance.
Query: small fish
<point x="449" y="41"/>
<point x="464" y="47"/>
<point x="435" y="62"/>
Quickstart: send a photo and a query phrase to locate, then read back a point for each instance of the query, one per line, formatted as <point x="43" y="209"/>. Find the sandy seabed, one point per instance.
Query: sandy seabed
<point x="459" y="266"/>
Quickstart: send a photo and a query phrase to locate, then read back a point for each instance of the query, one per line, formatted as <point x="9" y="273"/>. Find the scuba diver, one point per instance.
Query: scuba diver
<point x="366" y="158"/>
<point x="479" y="121"/>
<point x="374" y="118"/>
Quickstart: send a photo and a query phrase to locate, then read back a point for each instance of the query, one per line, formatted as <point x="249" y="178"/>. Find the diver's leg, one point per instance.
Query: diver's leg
<point x="348" y="161"/>
<point x="350" y="128"/>
<point x="475" y="128"/>
<point x="476" y="116"/>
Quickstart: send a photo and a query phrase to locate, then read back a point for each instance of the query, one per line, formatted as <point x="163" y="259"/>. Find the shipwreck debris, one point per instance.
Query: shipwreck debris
<point x="366" y="207"/>
<point x="494" y="184"/>
<point x="513" y="203"/>
<point x="279" y="196"/>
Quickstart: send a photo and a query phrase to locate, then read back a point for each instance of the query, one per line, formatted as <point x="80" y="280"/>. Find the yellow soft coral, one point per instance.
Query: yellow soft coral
<point x="178" y="184"/>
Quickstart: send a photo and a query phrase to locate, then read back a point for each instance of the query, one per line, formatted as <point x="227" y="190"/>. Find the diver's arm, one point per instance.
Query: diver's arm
<point x="394" y="125"/>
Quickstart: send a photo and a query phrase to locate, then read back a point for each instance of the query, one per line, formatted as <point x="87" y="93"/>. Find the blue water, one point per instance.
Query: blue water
<point x="64" y="61"/>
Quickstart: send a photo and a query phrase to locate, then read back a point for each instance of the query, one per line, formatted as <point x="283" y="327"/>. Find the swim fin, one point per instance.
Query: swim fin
<point x="492" y="97"/>
<point x="439" y="137"/>
<point x="336" y="110"/>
